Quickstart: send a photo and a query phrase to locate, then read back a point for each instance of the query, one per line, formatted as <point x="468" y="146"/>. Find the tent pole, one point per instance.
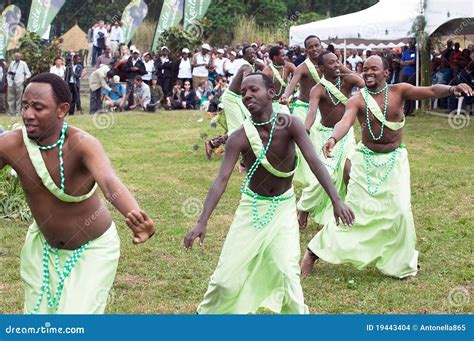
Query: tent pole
<point x="417" y="53"/>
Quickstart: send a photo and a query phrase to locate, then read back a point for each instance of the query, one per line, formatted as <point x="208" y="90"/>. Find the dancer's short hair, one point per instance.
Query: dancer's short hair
<point x="267" y="81"/>
<point x="311" y="37"/>
<point x="60" y="88"/>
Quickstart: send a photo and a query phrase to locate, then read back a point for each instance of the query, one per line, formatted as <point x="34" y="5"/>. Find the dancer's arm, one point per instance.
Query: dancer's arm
<point x="314" y="97"/>
<point x="97" y="162"/>
<point x="232" y="152"/>
<point x="3" y="141"/>
<point x="411" y="92"/>
<point x="343" y="126"/>
<point x="294" y="81"/>
<point x="319" y="170"/>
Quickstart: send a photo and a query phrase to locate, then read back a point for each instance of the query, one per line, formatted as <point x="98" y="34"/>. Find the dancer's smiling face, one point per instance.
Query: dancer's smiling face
<point x="313" y="47"/>
<point x="374" y="72"/>
<point x="330" y="65"/>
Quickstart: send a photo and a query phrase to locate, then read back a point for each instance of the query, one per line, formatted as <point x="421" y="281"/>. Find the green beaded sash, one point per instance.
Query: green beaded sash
<point x="370" y="161"/>
<point x="334" y="91"/>
<point x="40" y="167"/>
<point x="377" y="112"/>
<point x="312" y="70"/>
<point x="277" y="75"/>
<point x="298" y="103"/>
<point x="257" y="147"/>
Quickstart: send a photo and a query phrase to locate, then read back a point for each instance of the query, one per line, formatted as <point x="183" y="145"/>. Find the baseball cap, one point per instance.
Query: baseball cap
<point x="206" y="46"/>
<point x="185" y="50"/>
<point x="116" y="79"/>
<point x="220" y="51"/>
<point x="165" y="48"/>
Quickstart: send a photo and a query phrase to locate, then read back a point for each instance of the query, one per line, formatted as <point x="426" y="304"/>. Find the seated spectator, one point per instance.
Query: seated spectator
<point x="141" y="94"/>
<point x="156" y="92"/>
<point x="174" y="100"/>
<point x="203" y="92"/>
<point x="114" y="98"/>
<point x="187" y="97"/>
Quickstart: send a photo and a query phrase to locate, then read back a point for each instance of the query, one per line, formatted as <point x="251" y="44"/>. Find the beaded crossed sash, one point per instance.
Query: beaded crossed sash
<point x="277" y="75"/>
<point x="260" y="152"/>
<point x="334" y="91"/>
<point x="312" y="70"/>
<point x="372" y="105"/>
<point x="40" y="167"/>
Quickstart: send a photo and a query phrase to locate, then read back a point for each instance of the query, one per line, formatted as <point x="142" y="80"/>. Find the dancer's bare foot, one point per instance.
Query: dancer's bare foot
<point x="307" y="263"/>
<point x="302" y="220"/>
<point x="208" y="149"/>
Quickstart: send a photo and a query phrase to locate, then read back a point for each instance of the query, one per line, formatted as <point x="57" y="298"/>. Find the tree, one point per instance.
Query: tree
<point x="37" y="56"/>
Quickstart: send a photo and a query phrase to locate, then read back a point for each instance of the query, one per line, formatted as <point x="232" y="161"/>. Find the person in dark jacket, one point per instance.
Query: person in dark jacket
<point x="164" y="70"/>
<point x="187" y="97"/>
<point x="134" y="67"/>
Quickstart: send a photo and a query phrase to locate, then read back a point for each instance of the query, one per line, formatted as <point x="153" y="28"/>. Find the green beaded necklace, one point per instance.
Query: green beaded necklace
<point x="367" y="92"/>
<point x="333" y="162"/>
<point x="338" y="85"/>
<point x="257" y="124"/>
<point x="59" y="143"/>
<point x="283" y="77"/>
<point x="76" y="254"/>
<point x="63" y="274"/>
<point x="259" y="222"/>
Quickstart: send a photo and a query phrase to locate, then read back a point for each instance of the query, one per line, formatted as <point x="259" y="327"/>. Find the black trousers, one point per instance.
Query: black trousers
<point x="408" y="106"/>
<point x="75" y="103"/>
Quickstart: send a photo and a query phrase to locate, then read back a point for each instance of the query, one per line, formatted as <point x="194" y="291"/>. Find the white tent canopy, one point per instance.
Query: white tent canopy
<point x="386" y="21"/>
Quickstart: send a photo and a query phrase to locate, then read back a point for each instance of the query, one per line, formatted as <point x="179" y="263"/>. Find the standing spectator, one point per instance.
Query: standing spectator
<point x="134" y="67"/>
<point x="90" y="40"/>
<point x="58" y="67"/>
<point x="18" y="73"/>
<point x="105" y="58"/>
<point x="74" y="73"/>
<point x="142" y="95"/>
<point x="394" y="76"/>
<point x="184" y="67"/>
<point x="359" y="67"/>
<point x="164" y="70"/>
<point x="231" y="66"/>
<point x="354" y="59"/>
<point x="219" y="62"/>
<point x="98" y="81"/>
<point x="116" y="37"/>
<point x="449" y="49"/>
<point x="100" y="34"/>
<point x="3" y="83"/>
<point x="455" y="54"/>
<point x="114" y="97"/>
<point x="201" y="62"/>
<point x="408" y="63"/>
<point x="149" y="67"/>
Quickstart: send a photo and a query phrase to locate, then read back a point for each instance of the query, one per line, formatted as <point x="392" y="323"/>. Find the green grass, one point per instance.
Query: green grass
<point x="154" y="156"/>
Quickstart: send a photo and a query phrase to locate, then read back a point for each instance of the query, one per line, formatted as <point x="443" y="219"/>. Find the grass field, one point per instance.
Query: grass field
<point x="160" y="158"/>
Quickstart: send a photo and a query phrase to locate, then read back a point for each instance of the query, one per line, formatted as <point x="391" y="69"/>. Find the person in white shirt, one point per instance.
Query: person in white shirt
<point x="58" y="67"/>
<point x="219" y="62"/>
<point x="18" y="72"/>
<point x="100" y="36"/>
<point x="230" y="67"/>
<point x="149" y="67"/>
<point x="184" y="67"/>
<point x="201" y="62"/>
<point x="116" y="37"/>
<point x="354" y="59"/>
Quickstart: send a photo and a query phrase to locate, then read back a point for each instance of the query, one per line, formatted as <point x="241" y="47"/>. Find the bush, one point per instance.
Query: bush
<point x="38" y="57"/>
<point x="12" y="199"/>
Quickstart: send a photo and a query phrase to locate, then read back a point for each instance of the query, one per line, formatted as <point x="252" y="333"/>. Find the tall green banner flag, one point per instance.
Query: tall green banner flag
<point x="171" y="15"/>
<point x="132" y="17"/>
<point x="193" y="11"/>
<point x="8" y="23"/>
<point x="42" y="13"/>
